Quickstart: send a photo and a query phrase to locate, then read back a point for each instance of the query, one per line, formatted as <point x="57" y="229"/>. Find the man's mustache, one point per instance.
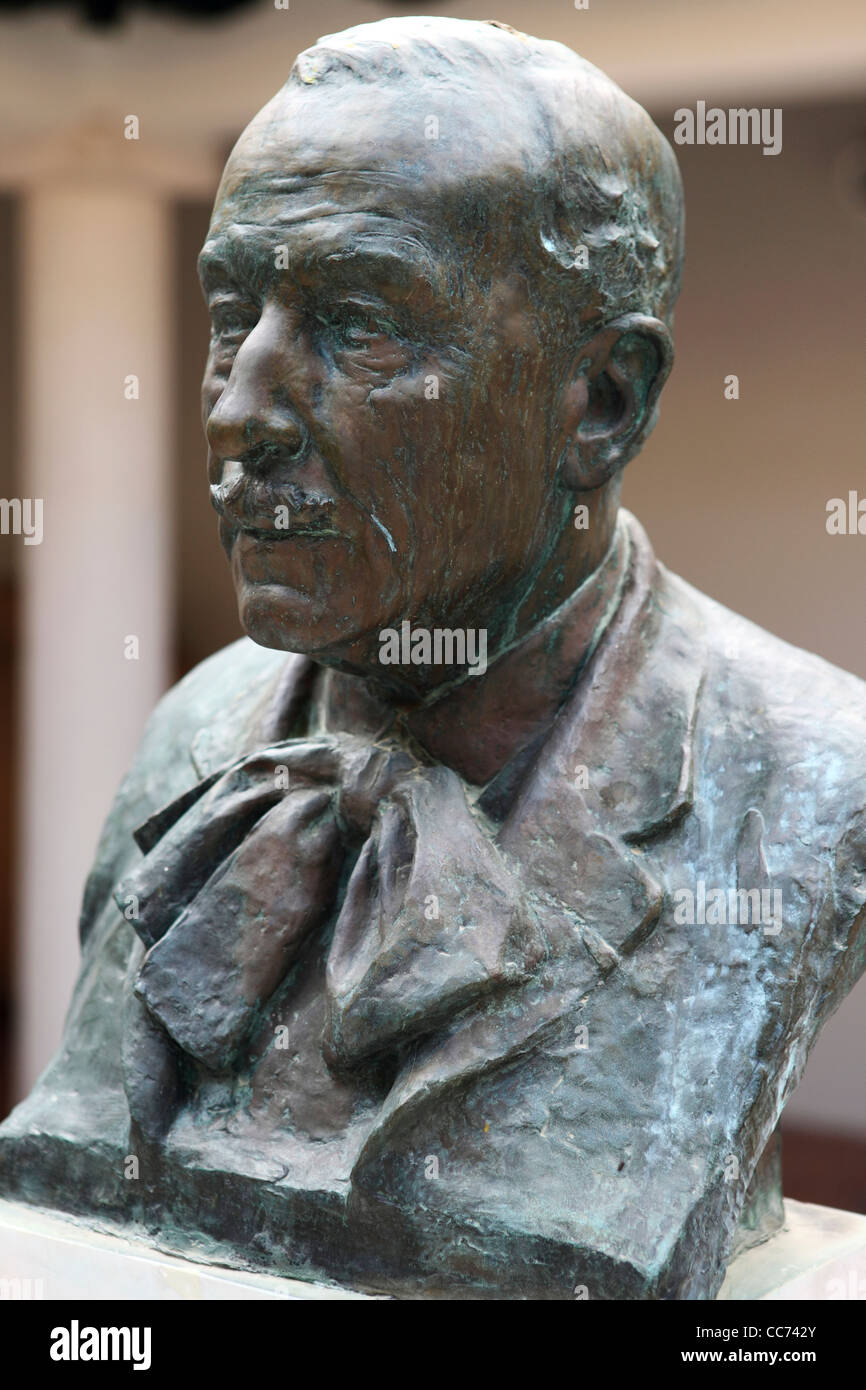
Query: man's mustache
<point x="249" y="501"/>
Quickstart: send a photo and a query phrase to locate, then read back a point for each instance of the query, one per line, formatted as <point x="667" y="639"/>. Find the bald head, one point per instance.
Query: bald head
<point x="512" y="136"/>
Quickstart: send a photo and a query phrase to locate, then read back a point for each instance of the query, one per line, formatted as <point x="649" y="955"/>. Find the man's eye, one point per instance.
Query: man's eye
<point x="359" y="333"/>
<point x="358" y="329"/>
<point x="363" y="330"/>
<point x="232" y="317"/>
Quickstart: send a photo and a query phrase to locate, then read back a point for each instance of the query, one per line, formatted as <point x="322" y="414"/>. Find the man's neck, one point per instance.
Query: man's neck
<point x="479" y="725"/>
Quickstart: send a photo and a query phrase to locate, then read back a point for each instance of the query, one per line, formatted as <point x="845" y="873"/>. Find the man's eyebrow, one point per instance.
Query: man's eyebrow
<point x="235" y="258"/>
<point x="402" y="264"/>
<point x="406" y="265"/>
<point x="213" y="265"/>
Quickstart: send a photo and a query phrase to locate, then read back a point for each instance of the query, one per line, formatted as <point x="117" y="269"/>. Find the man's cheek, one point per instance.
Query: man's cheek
<point x="418" y="417"/>
<point x="428" y="382"/>
<point x="391" y="423"/>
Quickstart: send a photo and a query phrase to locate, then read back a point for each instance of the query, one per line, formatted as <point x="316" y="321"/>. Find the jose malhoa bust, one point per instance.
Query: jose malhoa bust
<point x="464" y="932"/>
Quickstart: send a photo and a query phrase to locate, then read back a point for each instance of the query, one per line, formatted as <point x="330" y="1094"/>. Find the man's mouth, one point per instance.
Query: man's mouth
<point x="269" y="511"/>
<point x="270" y="533"/>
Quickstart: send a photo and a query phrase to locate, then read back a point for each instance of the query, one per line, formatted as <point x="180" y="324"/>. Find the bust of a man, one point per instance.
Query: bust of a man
<point x="465" y="931"/>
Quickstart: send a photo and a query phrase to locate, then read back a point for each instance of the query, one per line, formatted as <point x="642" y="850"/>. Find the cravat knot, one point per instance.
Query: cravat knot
<point x="241" y="869"/>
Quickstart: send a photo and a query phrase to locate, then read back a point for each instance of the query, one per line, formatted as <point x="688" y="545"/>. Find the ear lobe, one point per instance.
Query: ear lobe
<point x="610" y="405"/>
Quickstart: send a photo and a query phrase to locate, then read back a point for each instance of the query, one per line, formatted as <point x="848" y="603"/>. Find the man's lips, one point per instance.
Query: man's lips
<point x="267" y="532"/>
<point x="251" y="506"/>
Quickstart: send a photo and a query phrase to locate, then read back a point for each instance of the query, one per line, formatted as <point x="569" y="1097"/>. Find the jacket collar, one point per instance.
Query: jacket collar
<point x="615" y="774"/>
<point x="627" y="732"/>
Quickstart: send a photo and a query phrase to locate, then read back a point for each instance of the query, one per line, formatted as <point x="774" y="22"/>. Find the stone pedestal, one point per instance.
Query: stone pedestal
<point x="820" y="1254"/>
<point x="45" y="1255"/>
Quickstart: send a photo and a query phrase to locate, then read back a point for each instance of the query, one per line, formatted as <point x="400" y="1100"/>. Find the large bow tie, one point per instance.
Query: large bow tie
<point x="241" y="869"/>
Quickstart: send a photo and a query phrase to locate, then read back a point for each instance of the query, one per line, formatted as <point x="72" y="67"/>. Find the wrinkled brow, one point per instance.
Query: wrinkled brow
<point x="401" y="265"/>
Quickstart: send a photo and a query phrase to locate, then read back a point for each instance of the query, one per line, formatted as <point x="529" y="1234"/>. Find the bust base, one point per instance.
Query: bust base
<point x="47" y="1255"/>
<point x="820" y="1253"/>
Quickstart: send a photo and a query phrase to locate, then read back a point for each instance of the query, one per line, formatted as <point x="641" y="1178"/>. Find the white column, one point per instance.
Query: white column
<point x="97" y="592"/>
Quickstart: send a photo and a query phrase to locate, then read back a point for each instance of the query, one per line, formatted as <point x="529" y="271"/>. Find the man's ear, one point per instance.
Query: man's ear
<point x="610" y="402"/>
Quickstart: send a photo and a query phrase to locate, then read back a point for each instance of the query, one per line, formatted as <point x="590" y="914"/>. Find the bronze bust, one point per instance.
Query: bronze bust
<point x="465" y="931"/>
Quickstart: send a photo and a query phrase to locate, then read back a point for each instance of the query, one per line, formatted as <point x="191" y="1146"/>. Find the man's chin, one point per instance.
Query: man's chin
<point x="276" y="616"/>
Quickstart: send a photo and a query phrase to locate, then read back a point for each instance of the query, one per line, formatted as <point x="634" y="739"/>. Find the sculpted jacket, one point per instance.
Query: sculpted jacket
<point x="361" y="1020"/>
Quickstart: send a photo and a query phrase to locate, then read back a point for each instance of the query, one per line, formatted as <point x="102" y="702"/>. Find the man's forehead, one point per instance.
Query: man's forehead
<point x="275" y="197"/>
<point x="405" y="148"/>
<point x="329" y="225"/>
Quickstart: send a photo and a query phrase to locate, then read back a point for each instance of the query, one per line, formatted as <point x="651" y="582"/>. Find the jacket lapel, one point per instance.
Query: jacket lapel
<point x="615" y="774"/>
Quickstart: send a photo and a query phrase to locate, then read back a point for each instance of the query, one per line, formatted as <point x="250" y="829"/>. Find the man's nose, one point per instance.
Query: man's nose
<point x="254" y="415"/>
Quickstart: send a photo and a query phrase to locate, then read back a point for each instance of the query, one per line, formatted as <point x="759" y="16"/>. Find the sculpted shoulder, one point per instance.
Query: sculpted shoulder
<point x="216" y="700"/>
<point x="782" y="733"/>
<point x="227" y="683"/>
<point x="767" y="685"/>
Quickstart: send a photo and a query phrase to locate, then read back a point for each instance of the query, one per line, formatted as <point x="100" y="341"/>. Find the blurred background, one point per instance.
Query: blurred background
<point x="102" y="340"/>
